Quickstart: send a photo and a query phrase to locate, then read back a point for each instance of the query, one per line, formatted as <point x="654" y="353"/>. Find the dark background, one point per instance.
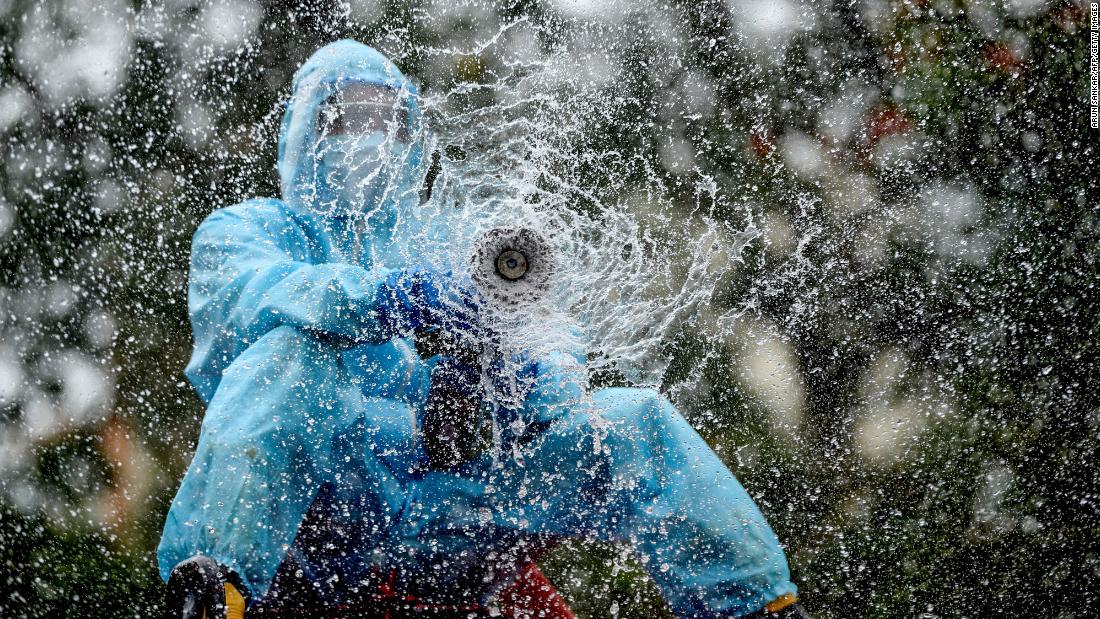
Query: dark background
<point x="912" y="396"/>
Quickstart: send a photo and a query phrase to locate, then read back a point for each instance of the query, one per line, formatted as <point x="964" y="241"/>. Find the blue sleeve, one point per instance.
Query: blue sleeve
<point x="561" y="380"/>
<point x="251" y="272"/>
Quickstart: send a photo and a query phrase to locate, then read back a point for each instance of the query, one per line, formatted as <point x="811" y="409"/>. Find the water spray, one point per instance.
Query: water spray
<point x="512" y="268"/>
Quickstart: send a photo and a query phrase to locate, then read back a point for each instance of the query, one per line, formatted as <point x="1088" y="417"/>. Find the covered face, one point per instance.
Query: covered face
<point x="349" y="144"/>
<point x="365" y="110"/>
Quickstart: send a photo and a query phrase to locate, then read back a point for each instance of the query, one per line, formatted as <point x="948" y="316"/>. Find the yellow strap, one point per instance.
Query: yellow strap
<point x="781" y="602"/>
<point x="234" y="603"/>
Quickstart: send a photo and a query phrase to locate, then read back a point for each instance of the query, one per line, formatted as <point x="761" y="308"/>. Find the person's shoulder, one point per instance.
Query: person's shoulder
<point x="270" y="214"/>
<point x="253" y="210"/>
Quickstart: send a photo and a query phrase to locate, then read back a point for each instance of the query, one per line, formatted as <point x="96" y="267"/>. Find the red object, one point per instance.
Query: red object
<point x="532" y="594"/>
<point x="885" y="121"/>
<point x="762" y="143"/>
<point x="1002" y="57"/>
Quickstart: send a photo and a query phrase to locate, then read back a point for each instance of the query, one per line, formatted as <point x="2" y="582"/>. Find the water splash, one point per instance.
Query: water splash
<point x="636" y="258"/>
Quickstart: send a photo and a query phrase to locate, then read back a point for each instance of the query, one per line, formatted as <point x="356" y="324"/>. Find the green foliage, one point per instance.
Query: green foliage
<point x="52" y="573"/>
<point x="989" y="309"/>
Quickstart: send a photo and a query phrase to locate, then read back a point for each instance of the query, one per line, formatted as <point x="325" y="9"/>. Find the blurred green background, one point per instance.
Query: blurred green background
<point x="912" y="397"/>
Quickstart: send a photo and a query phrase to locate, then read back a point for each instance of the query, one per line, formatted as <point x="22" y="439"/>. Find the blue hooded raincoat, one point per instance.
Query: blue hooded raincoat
<point x="312" y="402"/>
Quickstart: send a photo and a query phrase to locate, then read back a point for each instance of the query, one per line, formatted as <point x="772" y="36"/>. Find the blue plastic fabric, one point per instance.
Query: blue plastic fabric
<point x="312" y="398"/>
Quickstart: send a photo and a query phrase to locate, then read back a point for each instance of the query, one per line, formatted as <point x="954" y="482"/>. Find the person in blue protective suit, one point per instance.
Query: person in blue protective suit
<point x="303" y="312"/>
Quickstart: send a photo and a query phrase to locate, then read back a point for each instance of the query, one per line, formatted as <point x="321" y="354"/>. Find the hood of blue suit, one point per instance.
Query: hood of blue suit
<point x="366" y="182"/>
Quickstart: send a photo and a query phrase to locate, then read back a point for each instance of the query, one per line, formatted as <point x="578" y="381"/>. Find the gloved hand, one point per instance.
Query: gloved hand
<point x="199" y="588"/>
<point x="420" y="300"/>
<point x="512" y="378"/>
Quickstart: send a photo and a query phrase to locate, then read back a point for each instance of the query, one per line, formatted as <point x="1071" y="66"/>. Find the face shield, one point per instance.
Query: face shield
<point x="362" y="147"/>
<point x="362" y="110"/>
